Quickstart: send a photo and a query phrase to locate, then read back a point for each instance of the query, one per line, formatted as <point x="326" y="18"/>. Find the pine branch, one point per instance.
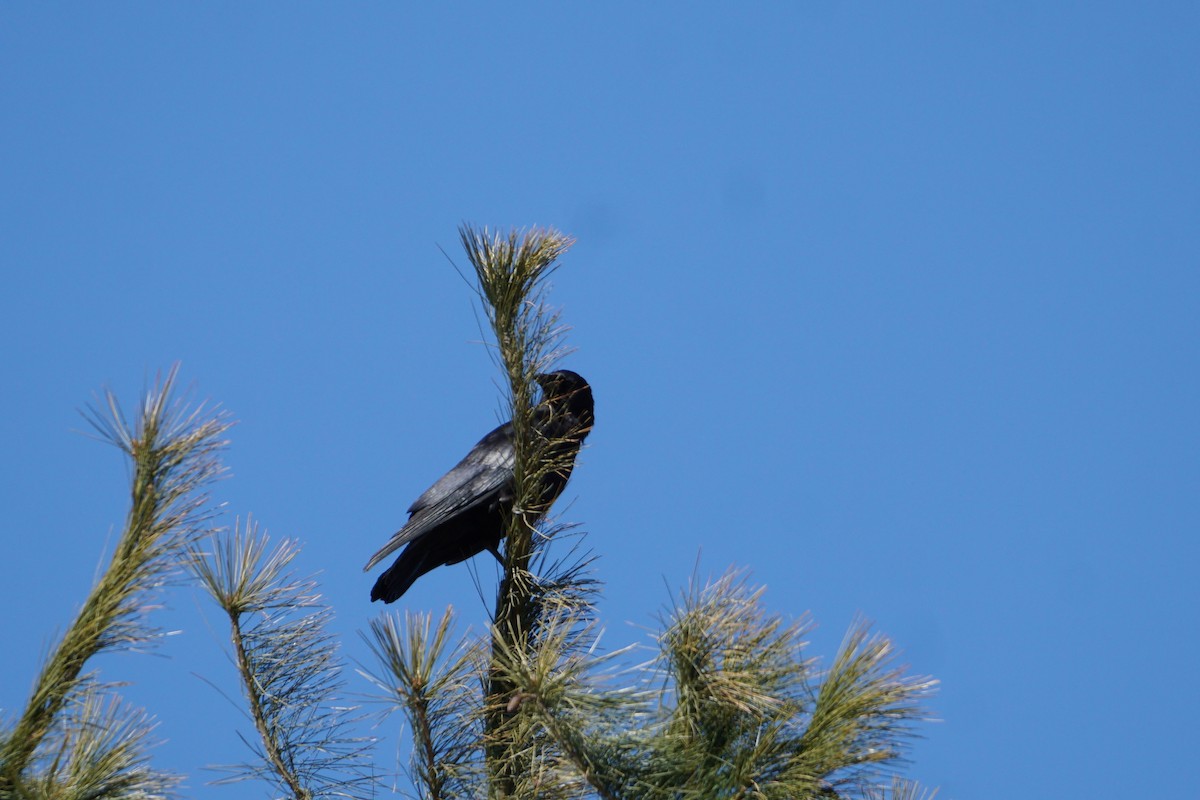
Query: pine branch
<point x="174" y="453"/>
<point x="433" y="684"/>
<point x="288" y="667"/>
<point x="862" y="713"/>
<point x="97" y="749"/>
<point x="561" y="686"/>
<point x="736" y="679"/>
<point x="899" y="789"/>
<point x="511" y="271"/>
<point x="737" y="716"/>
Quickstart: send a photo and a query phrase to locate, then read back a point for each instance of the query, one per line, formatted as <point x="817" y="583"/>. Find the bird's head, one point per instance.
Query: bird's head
<point x="568" y="390"/>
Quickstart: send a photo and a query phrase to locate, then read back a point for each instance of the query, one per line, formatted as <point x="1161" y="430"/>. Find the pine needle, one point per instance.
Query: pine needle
<point x="173" y="449"/>
<point x="289" y="669"/>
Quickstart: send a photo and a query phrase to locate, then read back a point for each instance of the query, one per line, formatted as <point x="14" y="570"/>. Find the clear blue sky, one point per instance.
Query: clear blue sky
<point x="894" y="304"/>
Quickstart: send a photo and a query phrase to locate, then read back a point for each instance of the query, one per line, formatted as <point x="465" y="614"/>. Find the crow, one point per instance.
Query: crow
<point x="463" y="513"/>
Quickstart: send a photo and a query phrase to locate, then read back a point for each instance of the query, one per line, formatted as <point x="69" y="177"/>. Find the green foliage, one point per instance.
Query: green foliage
<point x="862" y="710"/>
<point x="54" y="748"/>
<point x="725" y="704"/>
<point x="437" y="686"/>
<point x="511" y="272"/>
<point x="899" y="789"/>
<point x="98" y="750"/>
<point x="729" y="707"/>
<point x="289" y="669"/>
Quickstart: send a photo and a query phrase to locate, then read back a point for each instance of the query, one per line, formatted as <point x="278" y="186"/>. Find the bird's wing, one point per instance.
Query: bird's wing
<point x="481" y="477"/>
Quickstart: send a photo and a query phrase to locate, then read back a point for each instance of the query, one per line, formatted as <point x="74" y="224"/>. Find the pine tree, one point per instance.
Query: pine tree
<point x="728" y="707"/>
<point x="728" y="704"/>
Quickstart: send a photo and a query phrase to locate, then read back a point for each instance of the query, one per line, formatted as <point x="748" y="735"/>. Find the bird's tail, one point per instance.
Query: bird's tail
<point x="414" y="562"/>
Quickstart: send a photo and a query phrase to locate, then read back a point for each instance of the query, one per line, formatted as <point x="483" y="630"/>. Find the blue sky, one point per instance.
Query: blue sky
<point x="894" y="305"/>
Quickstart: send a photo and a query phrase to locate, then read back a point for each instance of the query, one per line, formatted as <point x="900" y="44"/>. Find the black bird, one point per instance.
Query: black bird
<point x="463" y="513"/>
